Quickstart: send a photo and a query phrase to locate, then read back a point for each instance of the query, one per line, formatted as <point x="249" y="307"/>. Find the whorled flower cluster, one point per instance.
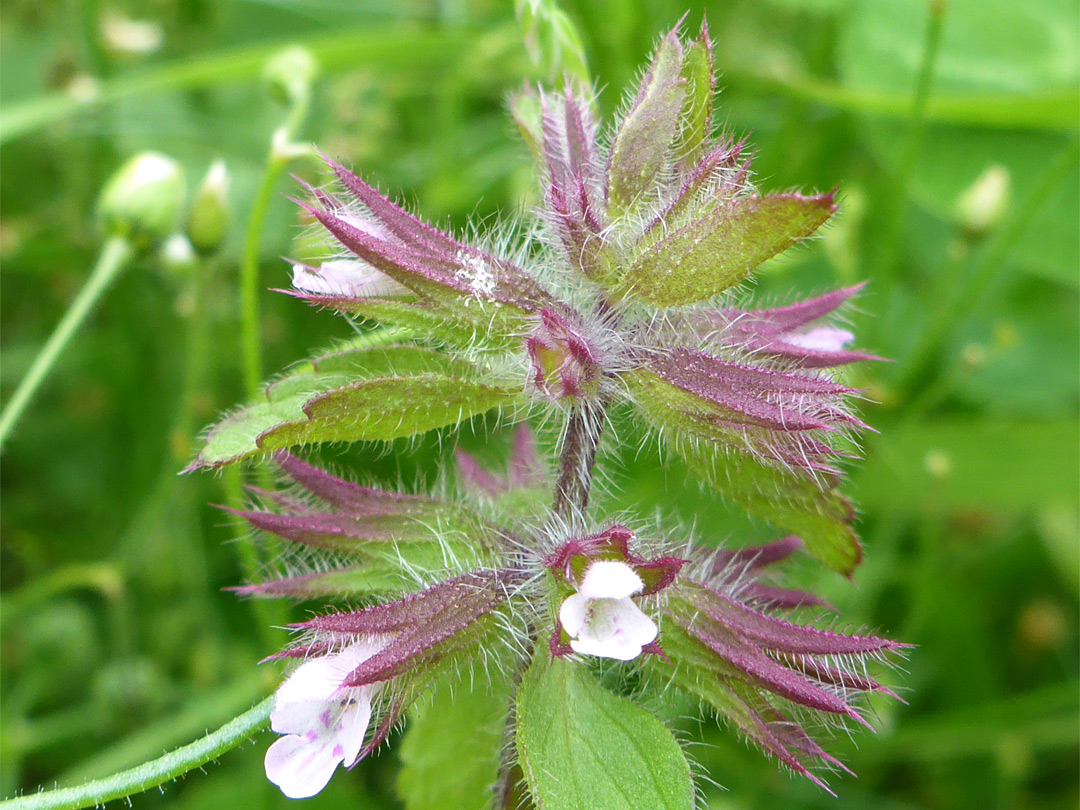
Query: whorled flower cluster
<point x="624" y="306"/>
<point x="710" y="622"/>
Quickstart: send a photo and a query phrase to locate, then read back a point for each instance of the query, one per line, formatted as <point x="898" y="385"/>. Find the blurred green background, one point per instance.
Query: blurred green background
<point x="117" y="640"/>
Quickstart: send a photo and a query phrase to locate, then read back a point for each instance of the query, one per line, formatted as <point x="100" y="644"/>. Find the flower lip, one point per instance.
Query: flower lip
<point x="323" y="721"/>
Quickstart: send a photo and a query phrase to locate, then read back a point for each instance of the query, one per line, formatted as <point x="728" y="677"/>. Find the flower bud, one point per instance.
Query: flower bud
<point x="208" y="220"/>
<point x="981" y="207"/>
<point x="563" y="364"/>
<point x="177" y="256"/>
<point x="144" y="199"/>
<point x="289" y="73"/>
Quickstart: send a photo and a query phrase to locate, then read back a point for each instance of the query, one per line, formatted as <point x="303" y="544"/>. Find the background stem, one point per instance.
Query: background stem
<point x="114" y="255"/>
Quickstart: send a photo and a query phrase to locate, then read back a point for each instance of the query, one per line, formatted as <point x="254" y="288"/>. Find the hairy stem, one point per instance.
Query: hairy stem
<point x="153" y="773"/>
<point x="583" y="431"/>
<point x="114" y="256"/>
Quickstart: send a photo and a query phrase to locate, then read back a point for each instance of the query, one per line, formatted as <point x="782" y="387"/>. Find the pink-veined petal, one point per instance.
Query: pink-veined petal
<point x="614" y="628"/>
<point x="573" y="612"/>
<point x="302" y="768"/>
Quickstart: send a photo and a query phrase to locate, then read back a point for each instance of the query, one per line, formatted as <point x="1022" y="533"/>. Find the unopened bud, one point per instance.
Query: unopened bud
<point x="208" y="220"/>
<point x="981" y="207"/>
<point x="127" y="37"/>
<point x="177" y="256"/>
<point x="144" y="199"/>
<point x="289" y="73"/>
<point x="564" y="366"/>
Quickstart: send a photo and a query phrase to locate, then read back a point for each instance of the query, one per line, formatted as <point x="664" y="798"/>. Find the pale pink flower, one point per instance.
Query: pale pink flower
<point x="324" y="721"/>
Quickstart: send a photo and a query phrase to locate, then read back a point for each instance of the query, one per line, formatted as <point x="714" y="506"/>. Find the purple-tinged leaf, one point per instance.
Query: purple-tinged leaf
<point x="751" y="559"/>
<point x="351" y="581"/>
<point x="476" y="478"/>
<point x="771" y="596"/>
<point x="786" y="332"/>
<point x="764" y="671"/>
<point x="344" y="532"/>
<point x="786" y="401"/>
<point x="771" y="633"/>
<point x="348" y="496"/>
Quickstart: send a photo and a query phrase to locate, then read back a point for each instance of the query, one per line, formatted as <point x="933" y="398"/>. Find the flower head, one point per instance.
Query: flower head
<point x="627" y="296"/>
<point x="599" y="574"/>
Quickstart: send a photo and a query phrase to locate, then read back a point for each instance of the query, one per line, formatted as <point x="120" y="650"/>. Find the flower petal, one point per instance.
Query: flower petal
<point x="573" y="613"/>
<point x="615" y="628"/>
<point x="301" y="768"/>
<point x="345" y="277"/>
<point x="610" y="579"/>
<point x="821" y="339"/>
<point x="304" y="698"/>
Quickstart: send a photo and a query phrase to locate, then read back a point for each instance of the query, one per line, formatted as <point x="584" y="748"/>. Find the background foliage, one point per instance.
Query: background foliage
<point x="117" y="641"/>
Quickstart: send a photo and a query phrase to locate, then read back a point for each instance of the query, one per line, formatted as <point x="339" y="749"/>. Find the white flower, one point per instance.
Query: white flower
<point x="349" y="277"/>
<point x="821" y="339"/>
<point x="601" y="619"/>
<point x="324" y="722"/>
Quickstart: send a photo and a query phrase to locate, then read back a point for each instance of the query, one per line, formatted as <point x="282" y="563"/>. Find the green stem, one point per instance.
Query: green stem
<point x="153" y="773"/>
<point x="894" y="205"/>
<point x="114" y="256"/>
<point x="249" y="278"/>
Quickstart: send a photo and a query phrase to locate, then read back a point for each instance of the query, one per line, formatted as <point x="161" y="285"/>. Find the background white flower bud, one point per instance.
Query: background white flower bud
<point x="981" y="207"/>
<point x="290" y="73"/>
<point x="208" y="220"/>
<point x="145" y="198"/>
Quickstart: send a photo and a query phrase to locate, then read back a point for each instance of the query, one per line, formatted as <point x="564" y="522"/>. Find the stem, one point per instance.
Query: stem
<point x="267" y="614"/>
<point x="114" y="255"/>
<point x="251" y="345"/>
<point x="894" y="206"/>
<point x="583" y="431"/>
<point x="154" y="773"/>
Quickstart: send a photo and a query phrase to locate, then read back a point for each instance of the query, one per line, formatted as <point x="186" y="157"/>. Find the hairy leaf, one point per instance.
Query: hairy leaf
<point x="369" y="395"/>
<point x="450" y="753"/>
<point x="645" y="136"/>
<point x="722" y="248"/>
<point x="582" y="746"/>
<point x="796" y="502"/>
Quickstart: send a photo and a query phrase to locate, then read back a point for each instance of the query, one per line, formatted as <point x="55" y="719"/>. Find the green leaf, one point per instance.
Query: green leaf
<point x="371" y="394"/>
<point x="697" y="70"/>
<point x="582" y="746"/>
<point x="642" y="142"/>
<point x="795" y="502"/>
<point x="450" y="753"/>
<point x="722" y="248"/>
<point x="425" y="320"/>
